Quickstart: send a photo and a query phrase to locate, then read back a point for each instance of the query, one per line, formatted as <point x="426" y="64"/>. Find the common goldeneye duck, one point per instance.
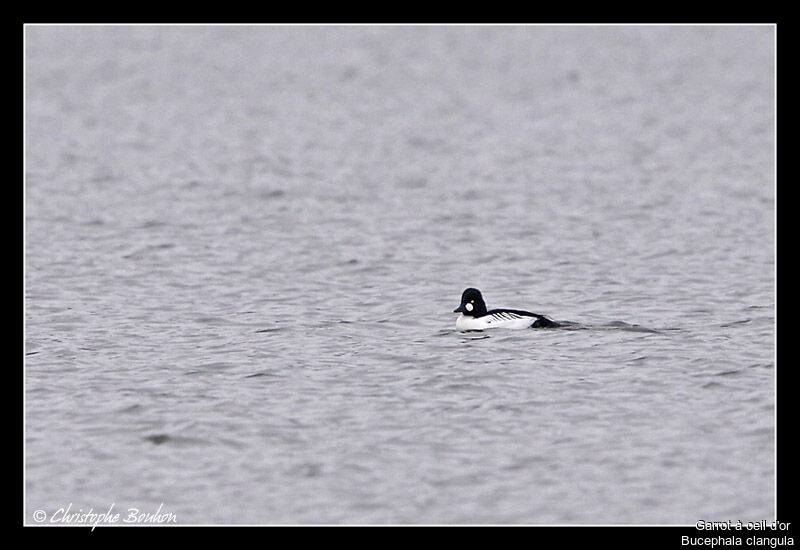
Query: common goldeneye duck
<point x="475" y="317"/>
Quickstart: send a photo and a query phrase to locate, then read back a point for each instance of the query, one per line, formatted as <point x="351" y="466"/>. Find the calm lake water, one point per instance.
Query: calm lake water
<point x="244" y="245"/>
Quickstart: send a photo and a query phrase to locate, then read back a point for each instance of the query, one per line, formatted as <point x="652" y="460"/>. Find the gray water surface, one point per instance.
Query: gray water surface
<point x="244" y="244"/>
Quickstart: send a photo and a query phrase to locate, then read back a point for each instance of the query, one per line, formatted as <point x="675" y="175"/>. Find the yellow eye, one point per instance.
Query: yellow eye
<point x="472" y="301"/>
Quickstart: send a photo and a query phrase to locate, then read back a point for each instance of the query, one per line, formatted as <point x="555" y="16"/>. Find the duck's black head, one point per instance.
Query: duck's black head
<point x="471" y="303"/>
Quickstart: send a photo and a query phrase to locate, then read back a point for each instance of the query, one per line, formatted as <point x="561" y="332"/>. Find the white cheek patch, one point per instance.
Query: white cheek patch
<point x="468" y="307"/>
